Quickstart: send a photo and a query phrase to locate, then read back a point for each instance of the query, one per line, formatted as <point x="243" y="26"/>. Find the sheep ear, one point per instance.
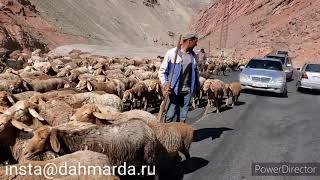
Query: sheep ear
<point x="103" y="116"/>
<point x="25" y="85"/>
<point x="54" y="141"/>
<point x="21" y="126"/>
<point x="10" y="99"/>
<point x="89" y="86"/>
<point x="34" y="113"/>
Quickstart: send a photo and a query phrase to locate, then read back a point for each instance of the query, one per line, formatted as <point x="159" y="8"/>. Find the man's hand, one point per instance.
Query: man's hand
<point x="166" y="89"/>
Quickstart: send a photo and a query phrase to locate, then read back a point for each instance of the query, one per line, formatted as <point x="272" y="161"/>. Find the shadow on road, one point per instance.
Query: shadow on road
<point x="175" y="170"/>
<point x="205" y="133"/>
<point x="310" y="91"/>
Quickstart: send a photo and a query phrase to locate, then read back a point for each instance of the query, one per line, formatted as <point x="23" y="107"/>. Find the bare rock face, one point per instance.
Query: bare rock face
<point x="21" y="28"/>
<point x="258" y="27"/>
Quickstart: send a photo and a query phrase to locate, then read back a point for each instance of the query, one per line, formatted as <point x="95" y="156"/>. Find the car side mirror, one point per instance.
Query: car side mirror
<point x="241" y="67"/>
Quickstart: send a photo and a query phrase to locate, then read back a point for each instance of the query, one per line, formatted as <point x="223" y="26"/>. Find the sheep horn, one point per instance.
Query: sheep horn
<point x="21" y="126"/>
<point x="34" y="113"/>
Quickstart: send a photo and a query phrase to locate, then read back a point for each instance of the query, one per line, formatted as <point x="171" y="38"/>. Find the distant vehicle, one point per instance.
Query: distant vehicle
<point x="264" y="74"/>
<point x="309" y="77"/>
<point x="283" y="52"/>
<point x="286" y="62"/>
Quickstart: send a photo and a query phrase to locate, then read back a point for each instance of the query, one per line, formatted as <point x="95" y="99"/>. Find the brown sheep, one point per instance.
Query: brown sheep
<point x="137" y="92"/>
<point x="214" y="89"/>
<point x="133" y="142"/>
<point x="174" y="137"/>
<point x="109" y="87"/>
<point x="233" y="90"/>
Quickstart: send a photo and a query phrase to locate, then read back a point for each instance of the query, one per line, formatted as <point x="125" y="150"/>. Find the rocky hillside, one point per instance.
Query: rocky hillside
<point x="256" y="27"/>
<point x="114" y="22"/>
<point x="21" y="27"/>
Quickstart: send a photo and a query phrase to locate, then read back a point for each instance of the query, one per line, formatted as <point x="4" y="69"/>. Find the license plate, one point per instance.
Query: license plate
<point x="260" y="85"/>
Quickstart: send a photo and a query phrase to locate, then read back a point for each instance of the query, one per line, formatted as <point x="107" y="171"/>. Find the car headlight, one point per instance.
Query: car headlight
<point x="243" y="77"/>
<point x="278" y="80"/>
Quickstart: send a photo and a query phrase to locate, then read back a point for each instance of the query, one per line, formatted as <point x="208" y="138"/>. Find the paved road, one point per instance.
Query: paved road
<point x="262" y="128"/>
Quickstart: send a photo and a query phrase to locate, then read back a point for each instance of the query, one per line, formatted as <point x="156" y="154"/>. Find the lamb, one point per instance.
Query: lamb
<point x="137" y="92"/>
<point x="173" y="137"/>
<point x="233" y="90"/>
<point x="85" y="158"/>
<point x="133" y="142"/>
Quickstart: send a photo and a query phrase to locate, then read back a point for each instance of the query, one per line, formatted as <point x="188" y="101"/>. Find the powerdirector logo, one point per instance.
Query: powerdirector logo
<point x="285" y="169"/>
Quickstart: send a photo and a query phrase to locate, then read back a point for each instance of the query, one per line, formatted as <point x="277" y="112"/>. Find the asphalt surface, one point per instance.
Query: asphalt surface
<point x="263" y="127"/>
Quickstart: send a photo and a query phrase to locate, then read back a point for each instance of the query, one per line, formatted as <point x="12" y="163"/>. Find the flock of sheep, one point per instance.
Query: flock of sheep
<point x="58" y="108"/>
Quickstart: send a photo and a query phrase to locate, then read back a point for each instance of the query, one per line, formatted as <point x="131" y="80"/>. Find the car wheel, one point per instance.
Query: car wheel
<point x="299" y="89"/>
<point x="285" y="93"/>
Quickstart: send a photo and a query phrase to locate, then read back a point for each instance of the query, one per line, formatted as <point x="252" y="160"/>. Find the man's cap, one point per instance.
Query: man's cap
<point x="189" y="35"/>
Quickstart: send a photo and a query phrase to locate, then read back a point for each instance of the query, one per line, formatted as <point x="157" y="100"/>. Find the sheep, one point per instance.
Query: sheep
<point x="21" y="111"/>
<point x="154" y="90"/>
<point x="45" y="85"/>
<point x="199" y="94"/>
<point x="19" y="153"/>
<point x="85" y="158"/>
<point x="97" y="115"/>
<point x="92" y="98"/>
<point x="129" y="82"/>
<point x="91" y="113"/>
<point x="133" y="142"/>
<point x="55" y="112"/>
<point x="6" y="99"/>
<point x="173" y="137"/>
<point x="233" y="90"/>
<point x="44" y="67"/>
<point x="214" y="89"/>
<point x="12" y="83"/>
<point x="110" y="87"/>
<point x="137" y="92"/>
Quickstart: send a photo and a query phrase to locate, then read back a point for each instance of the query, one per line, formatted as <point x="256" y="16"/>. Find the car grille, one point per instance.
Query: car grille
<point x="261" y="79"/>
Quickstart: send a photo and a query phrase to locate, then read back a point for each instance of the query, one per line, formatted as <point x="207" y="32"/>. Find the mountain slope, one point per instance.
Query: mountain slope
<point x="114" y="22"/>
<point x="260" y="26"/>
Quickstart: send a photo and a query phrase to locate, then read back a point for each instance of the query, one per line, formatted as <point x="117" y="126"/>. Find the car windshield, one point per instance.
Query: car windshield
<point x="283" y="59"/>
<point x="265" y="64"/>
<point x="313" y="68"/>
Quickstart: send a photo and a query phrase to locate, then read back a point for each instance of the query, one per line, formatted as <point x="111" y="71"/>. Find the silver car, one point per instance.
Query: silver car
<point x="286" y="62"/>
<point x="309" y="77"/>
<point x="264" y="74"/>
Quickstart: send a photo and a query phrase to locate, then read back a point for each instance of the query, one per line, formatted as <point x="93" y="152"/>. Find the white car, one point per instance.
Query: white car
<point x="309" y="77"/>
